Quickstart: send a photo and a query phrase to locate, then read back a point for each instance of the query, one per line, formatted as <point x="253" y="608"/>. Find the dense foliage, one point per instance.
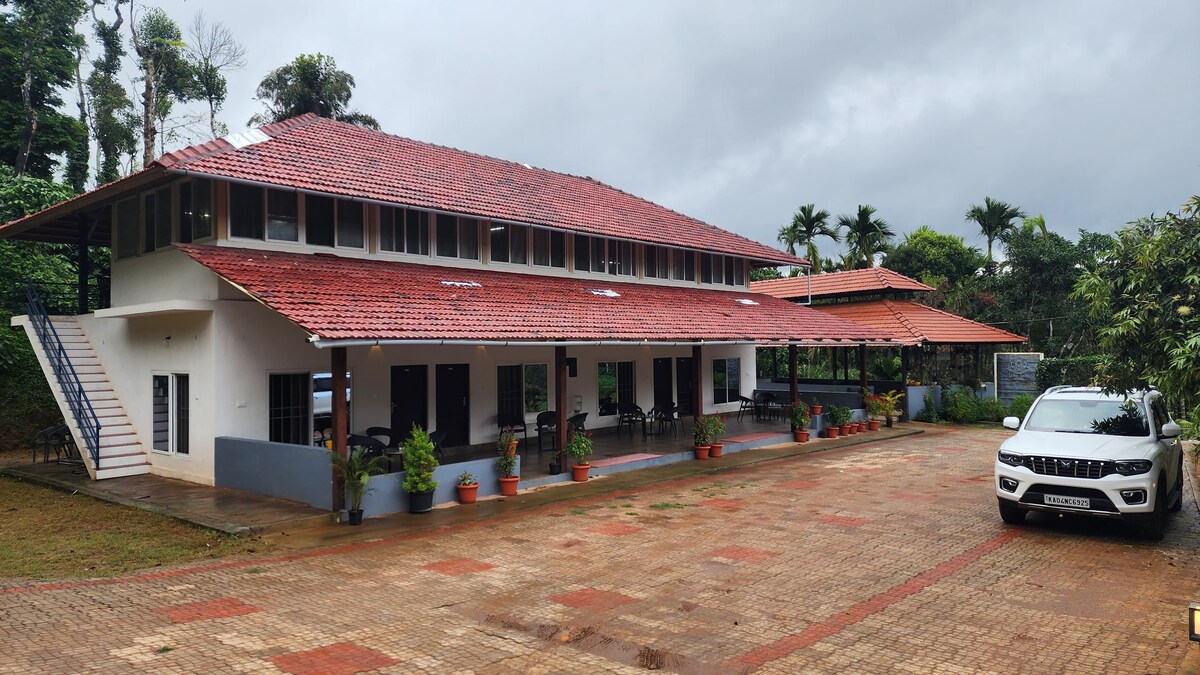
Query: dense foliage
<point x="1080" y="370"/>
<point x="311" y="83"/>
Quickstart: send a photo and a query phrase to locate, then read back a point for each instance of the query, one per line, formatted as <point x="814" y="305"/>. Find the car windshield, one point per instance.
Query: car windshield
<point x="1108" y="417"/>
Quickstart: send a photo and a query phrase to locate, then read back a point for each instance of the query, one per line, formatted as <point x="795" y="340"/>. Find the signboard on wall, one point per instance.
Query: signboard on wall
<point x="1016" y="373"/>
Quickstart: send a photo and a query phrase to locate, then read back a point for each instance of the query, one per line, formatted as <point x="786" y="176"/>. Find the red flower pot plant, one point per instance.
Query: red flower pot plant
<point x="837" y="420"/>
<point x="580" y="449"/>
<point x="506" y="470"/>
<point x="702" y="435"/>
<point x="800" y="416"/>
<point x="717" y="427"/>
<point x="468" y="488"/>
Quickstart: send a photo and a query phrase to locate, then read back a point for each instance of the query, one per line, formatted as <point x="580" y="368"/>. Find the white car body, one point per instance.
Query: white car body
<point x="1065" y="468"/>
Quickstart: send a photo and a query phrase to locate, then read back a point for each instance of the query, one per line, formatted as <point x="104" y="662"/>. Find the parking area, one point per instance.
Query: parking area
<point x="882" y="557"/>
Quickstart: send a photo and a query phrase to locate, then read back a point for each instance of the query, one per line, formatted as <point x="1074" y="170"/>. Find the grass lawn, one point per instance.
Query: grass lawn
<point x="49" y="534"/>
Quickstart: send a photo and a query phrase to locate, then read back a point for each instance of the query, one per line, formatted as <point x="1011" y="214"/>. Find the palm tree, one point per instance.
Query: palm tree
<point x="994" y="219"/>
<point x="866" y="235"/>
<point x="806" y="226"/>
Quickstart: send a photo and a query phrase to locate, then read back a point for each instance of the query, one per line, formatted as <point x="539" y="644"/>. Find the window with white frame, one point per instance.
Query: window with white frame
<point x="288" y="401"/>
<point x="615" y="386"/>
<point x="712" y="268"/>
<point x="549" y="248"/>
<point x="656" y="263"/>
<point x="195" y="210"/>
<point x="508" y="243"/>
<point x="403" y="230"/>
<point x="246" y="211"/>
<point x="333" y="222"/>
<point x="600" y="255"/>
<point x="457" y="237"/>
<point x="683" y="265"/>
<point x="727" y="375"/>
<point x="283" y="215"/>
<point x="170" y="427"/>
<point x="521" y="389"/>
<point x="734" y="274"/>
<point x="128" y="228"/>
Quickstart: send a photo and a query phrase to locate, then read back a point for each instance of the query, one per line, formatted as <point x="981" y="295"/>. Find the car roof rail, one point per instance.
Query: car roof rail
<point x="1058" y="387"/>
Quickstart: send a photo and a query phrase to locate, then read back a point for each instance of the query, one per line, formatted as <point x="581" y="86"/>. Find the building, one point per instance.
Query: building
<point x="255" y="277"/>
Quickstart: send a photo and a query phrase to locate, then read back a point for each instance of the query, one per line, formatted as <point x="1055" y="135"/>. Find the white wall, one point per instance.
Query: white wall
<point x="164" y="275"/>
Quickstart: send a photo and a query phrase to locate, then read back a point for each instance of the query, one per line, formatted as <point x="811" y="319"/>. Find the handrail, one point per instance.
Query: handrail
<point x="64" y="372"/>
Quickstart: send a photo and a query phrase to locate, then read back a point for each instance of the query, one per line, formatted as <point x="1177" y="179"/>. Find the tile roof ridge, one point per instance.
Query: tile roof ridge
<point x="892" y="307"/>
<point x="960" y="318"/>
<point x="220" y="145"/>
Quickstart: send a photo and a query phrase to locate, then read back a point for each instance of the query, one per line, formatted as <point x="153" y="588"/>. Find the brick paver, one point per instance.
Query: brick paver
<point x="856" y="560"/>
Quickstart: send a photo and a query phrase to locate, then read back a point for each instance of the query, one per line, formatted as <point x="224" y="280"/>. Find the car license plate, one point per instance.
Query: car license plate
<point x="1076" y="502"/>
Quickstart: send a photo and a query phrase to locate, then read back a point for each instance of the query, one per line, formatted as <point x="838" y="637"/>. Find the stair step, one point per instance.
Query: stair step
<point x="97" y="387"/>
<point x="129" y="459"/>
<point x="119" y="471"/>
<point x="86" y="378"/>
<point x="87" y="368"/>
<point x="112" y="429"/>
<point x="118" y="444"/>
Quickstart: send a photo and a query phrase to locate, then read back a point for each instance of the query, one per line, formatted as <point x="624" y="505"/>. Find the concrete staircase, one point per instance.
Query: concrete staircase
<point x="121" y="454"/>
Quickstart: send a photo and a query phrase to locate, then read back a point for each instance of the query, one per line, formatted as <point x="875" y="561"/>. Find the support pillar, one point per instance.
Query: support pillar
<point x="793" y="390"/>
<point x="697" y="383"/>
<point x="83" y="261"/>
<point x="560" y="399"/>
<point x="862" y="366"/>
<point x="833" y="363"/>
<point x="337" y="367"/>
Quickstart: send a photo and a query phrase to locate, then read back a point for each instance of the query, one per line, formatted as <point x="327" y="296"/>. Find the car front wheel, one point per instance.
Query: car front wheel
<point x="1011" y="513"/>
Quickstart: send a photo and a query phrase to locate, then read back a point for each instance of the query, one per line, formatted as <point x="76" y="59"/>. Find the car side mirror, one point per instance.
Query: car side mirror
<point x="1012" y="422"/>
<point x="1171" y="430"/>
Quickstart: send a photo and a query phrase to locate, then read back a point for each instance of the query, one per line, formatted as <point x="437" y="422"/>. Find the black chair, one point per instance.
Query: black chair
<point x="682" y="412"/>
<point x="385" y="432"/>
<point x="747" y="404"/>
<point x="46" y="440"/>
<point x="438" y="437"/>
<point x="631" y="414"/>
<point x="575" y="422"/>
<point x="65" y="447"/>
<point x="666" y="415"/>
<point x="516" y="422"/>
<point x="764" y="406"/>
<point x="547" y="423"/>
<point x="375" y="447"/>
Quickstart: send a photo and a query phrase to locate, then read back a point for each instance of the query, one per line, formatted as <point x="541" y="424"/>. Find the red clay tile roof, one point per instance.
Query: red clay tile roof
<point x="339" y="298"/>
<point x="322" y="155"/>
<point x="839" y="284"/>
<point x="912" y="323"/>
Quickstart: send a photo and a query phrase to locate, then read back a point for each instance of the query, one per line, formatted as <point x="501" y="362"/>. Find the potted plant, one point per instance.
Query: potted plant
<point x="817" y="408"/>
<point x="799" y="416"/>
<point x="890" y="401"/>
<point x="357" y="470"/>
<point x="876" y="408"/>
<point x="580" y="449"/>
<point x="832" y="428"/>
<point x="838" y="417"/>
<point x="419" y="465"/>
<point x="467" y="487"/>
<point x="507" y="441"/>
<point x="506" y="467"/>
<point x="702" y="437"/>
<point x="717" y="428"/>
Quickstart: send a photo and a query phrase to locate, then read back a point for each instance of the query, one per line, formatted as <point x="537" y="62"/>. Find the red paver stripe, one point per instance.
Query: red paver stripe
<point x="209" y="609"/>
<point x="839" y="622"/>
<point x="592" y="599"/>
<point x="912" y="497"/>
<point x="799" y="484"/>
<point x="343" y="658"/>
<point x="456" y="566"/>
<point x="843" y="521"/>
<point x="723" y="504"/>
<point x="615" y="529"/>
<point x="743" y="553"/>
<point x="915" y="458"/>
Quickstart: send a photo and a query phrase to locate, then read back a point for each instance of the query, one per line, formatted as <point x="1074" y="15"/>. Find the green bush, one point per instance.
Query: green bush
<point x="1079" y="370"/>
<point x="929" y="413"/>
<point x="419" y="462"/>
<point x="991" y="409"/>
<point x="1020" y="406"/>
<point x="26" y="403"/>
<point x="960" y="405"/>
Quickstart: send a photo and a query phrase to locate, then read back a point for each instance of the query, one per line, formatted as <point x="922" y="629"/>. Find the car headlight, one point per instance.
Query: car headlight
<point x="1133" y="467"/>
<point x="1010" y="459"/>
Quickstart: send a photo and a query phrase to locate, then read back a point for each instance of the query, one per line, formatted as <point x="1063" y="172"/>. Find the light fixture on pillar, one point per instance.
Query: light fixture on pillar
<point x="578" y="403"/>
<point x="1194" y="621"/>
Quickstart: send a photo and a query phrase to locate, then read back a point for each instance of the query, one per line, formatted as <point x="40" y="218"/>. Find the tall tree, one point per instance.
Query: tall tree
<point x="211" y="51"/>
<point x="866" y="235"/>
<point x="994" y="219"/>
<point x="37" y="58"/>
<point x="927" y="256"/>
<point x="311" y="83"/>
<point x="114" y="123"/>
<point x="166" y="75"/>
<point x="808" y="224"/>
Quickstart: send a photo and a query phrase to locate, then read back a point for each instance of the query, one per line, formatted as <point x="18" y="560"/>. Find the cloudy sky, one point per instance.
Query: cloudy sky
<point x="739" y="112"/>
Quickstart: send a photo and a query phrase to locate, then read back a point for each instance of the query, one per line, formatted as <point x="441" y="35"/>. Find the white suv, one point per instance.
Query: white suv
<point x="1082" y="451"/>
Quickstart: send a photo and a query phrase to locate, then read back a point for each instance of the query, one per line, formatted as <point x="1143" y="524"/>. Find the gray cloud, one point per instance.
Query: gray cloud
<point x="737" y="113"/>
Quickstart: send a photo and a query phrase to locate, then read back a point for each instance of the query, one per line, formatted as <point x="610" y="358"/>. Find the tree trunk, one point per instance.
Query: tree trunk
<point x="30" y="114"/>
<point x="149" y="131"/>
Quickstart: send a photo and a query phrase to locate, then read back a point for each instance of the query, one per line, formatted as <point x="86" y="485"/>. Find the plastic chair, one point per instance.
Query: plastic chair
<point x="631" y="414"/>
<point x="391" y="441"/>
<point x="747" y="404"/>
<point x="547" y="423"/>
<point x="516" y="422"/>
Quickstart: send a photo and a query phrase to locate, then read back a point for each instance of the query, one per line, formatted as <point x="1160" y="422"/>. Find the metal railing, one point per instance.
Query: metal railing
<point x="64" y="372"/>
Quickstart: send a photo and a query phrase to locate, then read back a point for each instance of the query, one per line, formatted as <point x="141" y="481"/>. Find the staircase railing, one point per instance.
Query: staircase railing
<point x="64" y="372"/>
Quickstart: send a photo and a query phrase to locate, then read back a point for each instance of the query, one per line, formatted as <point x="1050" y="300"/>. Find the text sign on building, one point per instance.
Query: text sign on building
<point x="1016" y="374"/>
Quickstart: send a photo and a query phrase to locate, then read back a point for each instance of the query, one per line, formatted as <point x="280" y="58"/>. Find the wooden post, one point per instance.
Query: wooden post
<point x="792" y="387"/>
<point x="84" y="262"/>
<point x="697" y="386"/>
<point x="337" y="366"/>
<point x="560" y="399"/>
<point x="862" y="365"/>
<point x="833" y="363"/>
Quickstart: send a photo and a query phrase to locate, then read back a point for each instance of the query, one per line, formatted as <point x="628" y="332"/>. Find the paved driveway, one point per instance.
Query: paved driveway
<point x="885" y="557"/>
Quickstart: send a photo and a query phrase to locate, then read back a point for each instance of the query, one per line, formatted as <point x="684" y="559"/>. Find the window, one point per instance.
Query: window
<point x="201" y="209"/>
<point x="727" y="375"/>
<point x="657" y="264"/>
<point x="712" y="268"/>
<point x="162" y="218"/>
<point x="404" y="230"/>
<point x="245" y="211"/>
<point x="597" y="254"/>
<point x="283" y="219"/>
<point x="620" y="258"/>
<point x="457" y="237"/>
<point x="128" y="227"/>
<point x="333" y="222"/>
<point x="549" y="248"/>
<point x="509" y="243"/>
<point x="615" y="385"/>
<point x="734" y="271"/>
<point x="521" y="389"/>
<point x="288" y="408"/>
<point x="185" y="213"/>
<point x="683" y="265"/>
<point x="148" y="213"/>
<point x="322" y="401"/>
<point x="170" y="425"/>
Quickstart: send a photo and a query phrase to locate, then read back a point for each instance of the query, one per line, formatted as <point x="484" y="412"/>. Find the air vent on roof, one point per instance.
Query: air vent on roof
<point x="249" y="137"/>
<point x="605" y="292"/>
<point x="744" y="301"/>
<point x="463" y="284"/>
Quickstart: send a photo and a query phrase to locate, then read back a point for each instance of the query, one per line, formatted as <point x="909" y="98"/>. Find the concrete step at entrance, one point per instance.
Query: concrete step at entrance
<point x="119" y="471"/>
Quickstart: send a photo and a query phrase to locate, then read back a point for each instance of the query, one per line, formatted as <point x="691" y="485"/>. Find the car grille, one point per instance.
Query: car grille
<point x="1071" y="468"/>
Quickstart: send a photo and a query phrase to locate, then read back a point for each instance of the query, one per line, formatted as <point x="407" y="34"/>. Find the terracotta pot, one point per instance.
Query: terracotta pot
<point x="800" y="436"/>
<point x="579" y="472"/>
<point x="845" y="429"/>
<point x="508" y="485"/>
<point x="716" y="450"/>
<point x="702" y="451"/>
<point x="873" y="425"/>
<point x="831" y="432"/>
<point x="816" y="410"/>
<point x="467" y="493"/>
<point x="862" y="427"/>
